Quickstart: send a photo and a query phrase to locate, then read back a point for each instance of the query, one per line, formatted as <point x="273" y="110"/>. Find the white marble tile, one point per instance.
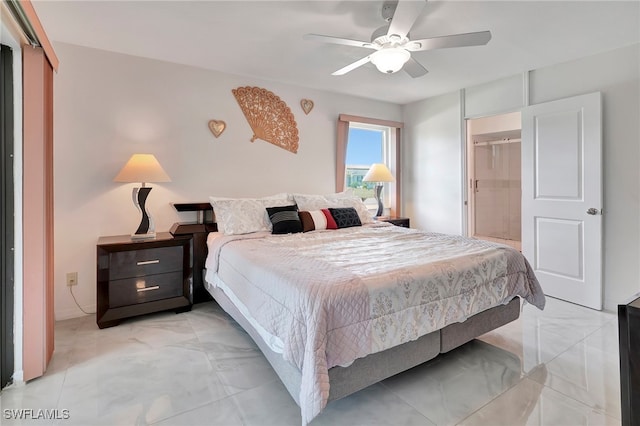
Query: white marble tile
<point x="243" y="372"/>
<point x="559" y="309"/>
<point x="586" y="374"/>
<point x="133" y="335"/>
<point x="605" y="338"/>
<point x="235" y="357"/>
<point x="533" y="348"/>
<point x="66" y="332"/>
<point x="140" y="387"/>
<point x="209" y="317"/>
<point x="41" y="393"/>
<point x="530" y="403"/>
<point x="267" y="405"/>
<point x="454" y="385"/>
<point x="220" y="413"/>
<point x="199" y="367"/>
<point x="540" y="336"/>
<point x="375" y="405"/>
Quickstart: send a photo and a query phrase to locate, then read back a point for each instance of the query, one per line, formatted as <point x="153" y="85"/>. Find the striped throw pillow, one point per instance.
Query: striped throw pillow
<point x="285" y="220"/>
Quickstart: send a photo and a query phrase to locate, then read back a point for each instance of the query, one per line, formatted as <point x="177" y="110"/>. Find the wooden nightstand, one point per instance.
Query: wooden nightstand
<point x="137" y="277"/>
<point x="398" y="221"/>
<point x="198" y="233"/>
<point x="629" y="353"/>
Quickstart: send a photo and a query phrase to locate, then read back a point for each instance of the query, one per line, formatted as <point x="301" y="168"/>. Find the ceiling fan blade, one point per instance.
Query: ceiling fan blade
<point x="338" y="40"/>
<point x="405" y="16"/>
<point x="353" y="66"/>
<point x="443" y="42"/>
<point x="414" y="68"/>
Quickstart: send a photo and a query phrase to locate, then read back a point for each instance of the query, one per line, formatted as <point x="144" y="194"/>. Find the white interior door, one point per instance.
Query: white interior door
<point x="562" y="197"/>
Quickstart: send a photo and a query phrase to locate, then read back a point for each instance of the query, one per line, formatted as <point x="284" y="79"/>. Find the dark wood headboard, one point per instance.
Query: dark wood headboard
<point x="198" y="231"/>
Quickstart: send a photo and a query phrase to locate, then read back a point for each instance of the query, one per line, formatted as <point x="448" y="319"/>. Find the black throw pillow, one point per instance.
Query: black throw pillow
<point x="345" y="217"/>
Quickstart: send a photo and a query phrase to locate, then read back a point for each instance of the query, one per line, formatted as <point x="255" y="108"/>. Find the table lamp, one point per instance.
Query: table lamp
<point x="378" y="173"/>
<point x="142" y="168"/>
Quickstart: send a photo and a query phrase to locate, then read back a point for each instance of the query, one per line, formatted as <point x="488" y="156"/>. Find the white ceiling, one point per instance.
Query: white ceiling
<point x="263" y="39"/>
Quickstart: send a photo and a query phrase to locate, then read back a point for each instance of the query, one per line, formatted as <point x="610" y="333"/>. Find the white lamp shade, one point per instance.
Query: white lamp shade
<point x="378" y="173"/>
<point x="390" y="60"/>
<point x="142" y="168"/>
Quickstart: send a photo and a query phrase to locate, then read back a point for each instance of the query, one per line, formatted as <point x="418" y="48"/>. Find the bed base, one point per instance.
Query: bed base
<point x="373" y="368"/>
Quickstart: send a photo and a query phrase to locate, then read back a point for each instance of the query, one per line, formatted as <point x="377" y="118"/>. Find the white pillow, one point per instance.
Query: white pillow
<point x="279" y="196"/>
<point x="318" y="202"/>
<point x="245" y="215"/>
<point x="347" y="193"/>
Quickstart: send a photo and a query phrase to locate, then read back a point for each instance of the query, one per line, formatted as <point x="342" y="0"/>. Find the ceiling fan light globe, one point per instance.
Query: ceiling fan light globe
<point x="390" y="60"/>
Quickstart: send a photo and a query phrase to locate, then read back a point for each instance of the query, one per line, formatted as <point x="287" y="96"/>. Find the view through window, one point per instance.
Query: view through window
<point x="367" y="145"/>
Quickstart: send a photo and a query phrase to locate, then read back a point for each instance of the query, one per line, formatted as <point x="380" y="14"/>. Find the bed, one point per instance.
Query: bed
<point x="336" y="310"/>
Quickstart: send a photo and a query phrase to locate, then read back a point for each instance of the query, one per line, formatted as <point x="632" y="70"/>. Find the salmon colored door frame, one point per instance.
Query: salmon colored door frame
<point x="38" y="315"/>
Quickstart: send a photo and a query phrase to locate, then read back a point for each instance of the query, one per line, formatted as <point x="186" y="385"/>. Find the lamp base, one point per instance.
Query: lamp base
<point x="147" y="229"/>
<point x="147" y="236"/>
<point x="378" y="195"/>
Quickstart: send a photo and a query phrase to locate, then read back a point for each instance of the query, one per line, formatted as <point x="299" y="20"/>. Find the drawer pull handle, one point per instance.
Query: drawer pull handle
<point x="154" y="287"/>
<point x="148" y="262"/>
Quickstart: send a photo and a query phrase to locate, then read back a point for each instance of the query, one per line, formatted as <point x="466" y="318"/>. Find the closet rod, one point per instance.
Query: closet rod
<point x="497" y="141"/>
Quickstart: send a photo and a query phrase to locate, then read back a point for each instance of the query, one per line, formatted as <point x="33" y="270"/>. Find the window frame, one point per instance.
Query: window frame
<point x="394" y="156"/>
<point x="387" y="140"/>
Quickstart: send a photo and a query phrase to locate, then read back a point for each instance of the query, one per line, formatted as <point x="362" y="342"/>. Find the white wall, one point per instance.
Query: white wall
<point x="432" y="123"/>
<point x="494" y="97"/>
<point x="109" y="106"/>
<point x="617" y="75"/>
<point x="432" y="164"/>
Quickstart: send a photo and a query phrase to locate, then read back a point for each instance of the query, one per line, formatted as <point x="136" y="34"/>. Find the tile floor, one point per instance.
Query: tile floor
<point x="556" y="367"/>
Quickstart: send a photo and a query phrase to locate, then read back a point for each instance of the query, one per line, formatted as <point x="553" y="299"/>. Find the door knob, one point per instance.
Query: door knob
<point x="592" y="211"/>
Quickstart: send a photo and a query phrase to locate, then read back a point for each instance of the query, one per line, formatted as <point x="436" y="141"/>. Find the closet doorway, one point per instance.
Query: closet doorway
<point x="495" y="178"/>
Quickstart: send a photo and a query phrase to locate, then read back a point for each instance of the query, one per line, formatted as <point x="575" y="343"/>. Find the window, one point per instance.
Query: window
<point x="367" y="144"/>
<point x="381" y="144"/>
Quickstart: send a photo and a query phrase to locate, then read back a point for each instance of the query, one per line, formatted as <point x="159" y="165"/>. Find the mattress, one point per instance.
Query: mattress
<point x="326" y="298"/>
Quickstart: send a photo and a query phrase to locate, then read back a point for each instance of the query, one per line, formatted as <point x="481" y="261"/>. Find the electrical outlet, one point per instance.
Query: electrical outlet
<point x="72" y="279"/>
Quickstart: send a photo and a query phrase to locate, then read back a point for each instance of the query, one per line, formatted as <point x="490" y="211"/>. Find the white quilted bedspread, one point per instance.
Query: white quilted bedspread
<point x="335" y="296"/>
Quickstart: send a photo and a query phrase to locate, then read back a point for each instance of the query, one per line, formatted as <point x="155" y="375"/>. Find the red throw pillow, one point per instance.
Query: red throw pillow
<point x="331" y="223"/>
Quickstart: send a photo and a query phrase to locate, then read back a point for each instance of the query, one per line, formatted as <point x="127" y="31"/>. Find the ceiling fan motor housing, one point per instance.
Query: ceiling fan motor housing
<point x="381" y="38"/>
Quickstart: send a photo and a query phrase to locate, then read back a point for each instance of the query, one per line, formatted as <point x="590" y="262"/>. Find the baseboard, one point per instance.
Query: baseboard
<point x="17" y="379"/>
<point x="69" y="313"/>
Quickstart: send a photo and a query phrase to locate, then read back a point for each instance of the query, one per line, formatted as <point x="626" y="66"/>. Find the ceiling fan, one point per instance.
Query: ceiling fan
<point x="392" y="43"/>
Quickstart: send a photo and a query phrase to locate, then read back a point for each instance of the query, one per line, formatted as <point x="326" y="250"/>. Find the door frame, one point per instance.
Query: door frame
<point x="467" y="160"/>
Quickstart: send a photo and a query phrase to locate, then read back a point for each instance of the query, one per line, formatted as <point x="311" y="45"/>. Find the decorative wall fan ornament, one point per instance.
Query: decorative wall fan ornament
<point x="269" y="117"/>
<point x="217" y="127"/>
<point x="307" y="105"/>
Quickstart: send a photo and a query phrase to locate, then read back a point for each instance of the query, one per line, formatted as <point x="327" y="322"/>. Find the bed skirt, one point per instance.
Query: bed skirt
<point x="373" y="368"/>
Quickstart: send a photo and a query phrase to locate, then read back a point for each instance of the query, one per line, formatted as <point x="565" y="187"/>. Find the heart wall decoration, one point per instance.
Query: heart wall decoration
<point x="217" y="127"/>
<point x="307" y="105"/>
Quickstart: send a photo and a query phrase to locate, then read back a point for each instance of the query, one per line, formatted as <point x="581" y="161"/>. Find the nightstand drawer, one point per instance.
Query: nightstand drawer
<point x="132" y="291"/>
<point x="400" y="222"/>
<point x="138" y="263"/>
<point x="397" y="221"/>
